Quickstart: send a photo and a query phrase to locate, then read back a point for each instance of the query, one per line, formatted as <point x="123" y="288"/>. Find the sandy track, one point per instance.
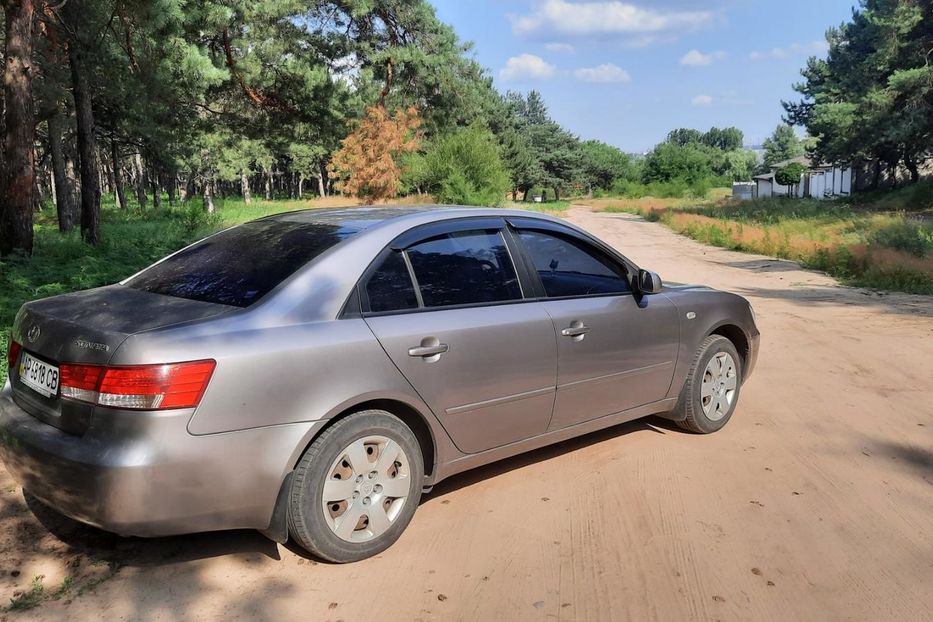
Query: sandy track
<point x="816" y="502"/>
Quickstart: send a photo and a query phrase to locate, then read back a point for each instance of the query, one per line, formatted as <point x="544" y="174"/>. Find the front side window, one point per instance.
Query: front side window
<point x="463" y="268"/>
<point x="568" y="267"/>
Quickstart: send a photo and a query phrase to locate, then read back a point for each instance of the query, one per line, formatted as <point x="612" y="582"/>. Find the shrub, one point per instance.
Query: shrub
<point x="904" y="235"/>
<point x="465" y="168"/>
<point x="790" y="174"/>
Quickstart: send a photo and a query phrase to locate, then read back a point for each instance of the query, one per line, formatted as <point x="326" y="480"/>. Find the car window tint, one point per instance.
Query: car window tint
<point x="570" y="268"/>
<point x="390" y="287"/>
<point x="239" y="266"/>
<point x="463" y="268"/>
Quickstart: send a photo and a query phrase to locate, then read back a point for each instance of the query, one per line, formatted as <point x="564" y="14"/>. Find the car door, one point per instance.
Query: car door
<point x="615" y="350"/>
<point x="448" y="308"/>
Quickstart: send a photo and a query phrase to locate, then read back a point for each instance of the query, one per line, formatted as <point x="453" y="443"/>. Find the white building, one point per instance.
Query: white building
<point x="819" y="181"/>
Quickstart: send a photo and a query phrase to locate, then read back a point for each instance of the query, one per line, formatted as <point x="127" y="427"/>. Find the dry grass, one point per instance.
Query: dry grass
<point x="854" y="242"/>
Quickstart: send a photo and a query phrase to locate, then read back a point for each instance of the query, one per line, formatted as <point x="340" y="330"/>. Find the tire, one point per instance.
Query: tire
<point x="372" y="510"/>
<point x="707" y="414"/>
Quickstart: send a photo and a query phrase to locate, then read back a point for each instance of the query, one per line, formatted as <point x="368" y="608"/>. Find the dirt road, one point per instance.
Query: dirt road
<point x="815" y="502"/>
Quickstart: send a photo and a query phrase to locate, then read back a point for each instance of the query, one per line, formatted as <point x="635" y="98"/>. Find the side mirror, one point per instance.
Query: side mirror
<point x="649" y="282"/>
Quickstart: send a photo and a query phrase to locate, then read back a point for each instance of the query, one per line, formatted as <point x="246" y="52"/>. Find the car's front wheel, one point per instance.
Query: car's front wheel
<point x="711" y="391"/>
<point x="356" y="487"/>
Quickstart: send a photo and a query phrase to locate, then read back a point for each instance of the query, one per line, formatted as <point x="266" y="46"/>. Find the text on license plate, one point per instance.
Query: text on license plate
<point x="38" y="375"/>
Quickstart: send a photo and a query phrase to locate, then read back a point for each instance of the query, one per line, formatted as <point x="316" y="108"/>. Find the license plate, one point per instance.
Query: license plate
<point x="38" y="375"/>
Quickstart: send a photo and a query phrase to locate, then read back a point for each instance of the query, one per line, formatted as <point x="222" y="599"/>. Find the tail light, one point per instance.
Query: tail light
<point x="12" y="353"/>
<point x="138" y="387"/>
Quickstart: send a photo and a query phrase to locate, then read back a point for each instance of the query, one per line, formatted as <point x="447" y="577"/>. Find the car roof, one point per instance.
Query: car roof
<point x="370" y="216"/>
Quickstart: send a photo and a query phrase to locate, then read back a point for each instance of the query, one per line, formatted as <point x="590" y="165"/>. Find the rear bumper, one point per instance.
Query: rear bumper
<point x="143" y="474"/>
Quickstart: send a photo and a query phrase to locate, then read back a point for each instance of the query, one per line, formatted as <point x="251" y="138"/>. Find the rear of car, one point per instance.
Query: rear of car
<point x="97" y="426"/>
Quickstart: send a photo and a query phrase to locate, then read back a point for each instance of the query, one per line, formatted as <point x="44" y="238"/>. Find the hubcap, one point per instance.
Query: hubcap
<point x="365" y="489"/>
<point x="720" y="381"/>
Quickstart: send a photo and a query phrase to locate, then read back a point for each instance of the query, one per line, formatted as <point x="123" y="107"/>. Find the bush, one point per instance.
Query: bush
<point x="674" y="189"/>
<point x="904" y="235"/>
<point x="790" y="174"/>
<point x="465" y="168"/>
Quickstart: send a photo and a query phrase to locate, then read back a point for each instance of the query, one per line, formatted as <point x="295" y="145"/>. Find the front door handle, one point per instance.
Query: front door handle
<point x="577" y="330"/>
<point x="428" y="351"/>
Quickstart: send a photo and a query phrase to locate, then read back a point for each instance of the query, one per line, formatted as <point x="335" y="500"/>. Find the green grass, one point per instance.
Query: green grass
<point x="557" y="208"/>
<point x="30" y="598"/>
<point x="130" y="240"/>
<point x="880" y="240"/>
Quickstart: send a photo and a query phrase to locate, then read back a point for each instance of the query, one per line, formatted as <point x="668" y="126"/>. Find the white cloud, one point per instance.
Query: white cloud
<point x="702" y="100"/>
<point x="792" y="50"/>
<point x="560" y="48"/>
<point x="696" y="58"/>
<point x="603" y="74"/>
<point x="526" y="67"/>
<point x="607" y="17"/>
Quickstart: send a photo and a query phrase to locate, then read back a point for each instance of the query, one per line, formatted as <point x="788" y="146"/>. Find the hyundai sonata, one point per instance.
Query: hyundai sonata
<point x="310" y="374"/>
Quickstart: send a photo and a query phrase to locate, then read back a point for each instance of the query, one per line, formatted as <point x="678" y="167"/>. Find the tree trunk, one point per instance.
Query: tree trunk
<point x="140" y="181"/>
<point x="119" y="189"/>
<point x="169" y="183"/>
<point x="301" y="184"/>
<point x="87" y="143"/>
<point x="911" y="165"/>
<point x="556" y="193"/>
<point x="323" y="180"/>
<point x="19" y="166"/>
<point x="64" y="192"/>
<point x="207" y="193"/>
<point x="189" y="187"/>
<point x="244" y="187"/>
<point x="156" y="188"/>
<point x="268" y="185"/>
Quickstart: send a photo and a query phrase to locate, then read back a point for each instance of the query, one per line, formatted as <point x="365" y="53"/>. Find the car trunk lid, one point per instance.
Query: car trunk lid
<point x="87" y="327"/>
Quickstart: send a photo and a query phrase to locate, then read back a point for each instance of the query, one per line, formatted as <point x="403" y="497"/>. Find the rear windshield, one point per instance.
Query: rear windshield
<point x="241" y="265"/>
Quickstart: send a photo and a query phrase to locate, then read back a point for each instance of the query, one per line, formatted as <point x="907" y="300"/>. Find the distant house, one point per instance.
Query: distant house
<point x="819" y="181"/>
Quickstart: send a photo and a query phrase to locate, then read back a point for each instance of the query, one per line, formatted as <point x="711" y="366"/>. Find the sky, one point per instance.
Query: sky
<point x="628" y="71"/>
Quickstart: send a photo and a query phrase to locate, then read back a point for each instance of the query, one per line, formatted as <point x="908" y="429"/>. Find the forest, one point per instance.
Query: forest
<point x="145" y="104"/>
<point x="152" y="103"/>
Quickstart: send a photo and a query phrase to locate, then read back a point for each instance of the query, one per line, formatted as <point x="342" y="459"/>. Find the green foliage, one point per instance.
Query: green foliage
<point x="782" y="145"/>
<point x="871" y="98"/>
<point x="698" y="161"/>
<point x="669" y="161"/>
<point x="30" y="598"/>
<point x="904" y="235"/>
<point x="790" y="174"/>
<point x="603" y="165"/>
<point x="464" y="168"/>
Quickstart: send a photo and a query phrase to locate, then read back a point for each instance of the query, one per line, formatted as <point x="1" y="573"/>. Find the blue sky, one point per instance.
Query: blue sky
<point x="627" y="71"/>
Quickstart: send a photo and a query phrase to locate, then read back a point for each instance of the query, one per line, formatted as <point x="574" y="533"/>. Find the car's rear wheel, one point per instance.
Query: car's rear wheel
<point x="356" y="487"/>
<point x="711" y="391"/>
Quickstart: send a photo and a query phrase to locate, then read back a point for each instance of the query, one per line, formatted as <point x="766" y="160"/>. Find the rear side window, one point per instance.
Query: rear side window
<point x="241" y="265"/>
<point x="468" y="267"/>
<point x="568" y="267"/>
<point x="390" y="287"/>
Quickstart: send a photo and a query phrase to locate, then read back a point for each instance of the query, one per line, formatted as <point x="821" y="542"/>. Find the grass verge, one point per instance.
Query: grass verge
<point x="882" y="241"/>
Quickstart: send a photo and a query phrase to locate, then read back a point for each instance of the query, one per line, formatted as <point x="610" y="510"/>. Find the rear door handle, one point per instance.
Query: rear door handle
<point x="425" y="351"/>
<point x="576" y="330"/>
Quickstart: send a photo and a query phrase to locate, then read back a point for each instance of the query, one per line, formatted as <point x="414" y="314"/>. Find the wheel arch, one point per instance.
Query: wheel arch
<point x="277" y="530"/>
<point x="408" y="414"/>
<point x="737" y="336"/>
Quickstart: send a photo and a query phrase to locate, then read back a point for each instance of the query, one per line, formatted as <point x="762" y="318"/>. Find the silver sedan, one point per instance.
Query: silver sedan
<point x="311" y="374"/>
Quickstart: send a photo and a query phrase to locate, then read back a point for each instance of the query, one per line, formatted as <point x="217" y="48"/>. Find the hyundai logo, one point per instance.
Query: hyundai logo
<point x="33" y="333"/>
